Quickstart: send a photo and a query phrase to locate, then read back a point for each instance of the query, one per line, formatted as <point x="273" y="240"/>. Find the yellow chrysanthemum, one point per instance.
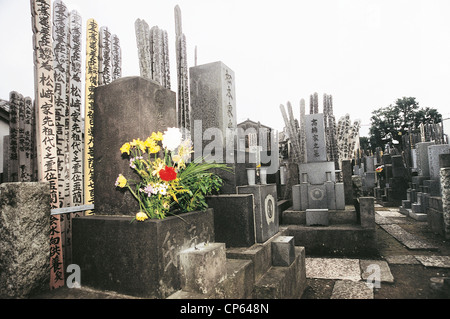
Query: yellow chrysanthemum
<point x="157" y="136"/>
<point x="141" y="216"/>
<point x="152" y="146"/>
<point x="125" y="148"/>
<point x="138" y="143"/>
<point x="121" y="181"/>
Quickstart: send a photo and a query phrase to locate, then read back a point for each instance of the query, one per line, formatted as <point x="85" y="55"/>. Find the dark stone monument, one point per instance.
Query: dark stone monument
<point x="265" y="209"/>
<point x="138" y="259"/>
<point x="234" y="221"/>
<point x="127" y="109"/>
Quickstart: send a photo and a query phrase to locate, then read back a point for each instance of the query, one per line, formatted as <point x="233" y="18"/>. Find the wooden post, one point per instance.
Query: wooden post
<point x="182" y="74"/>
<point x="104" y="56"/>
<point x="116" y="55"/>
<point x="91" y="83"/>
<point x="46" y="128"/>
<point x="14" y="104"/>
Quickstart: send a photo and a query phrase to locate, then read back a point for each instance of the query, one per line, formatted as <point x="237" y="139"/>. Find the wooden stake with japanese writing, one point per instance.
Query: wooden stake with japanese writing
<point x="46" y="128"/>
<point x="91" y="83"/>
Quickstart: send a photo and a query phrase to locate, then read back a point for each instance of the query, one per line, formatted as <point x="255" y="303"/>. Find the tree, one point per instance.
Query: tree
<point x="388" y="124"/>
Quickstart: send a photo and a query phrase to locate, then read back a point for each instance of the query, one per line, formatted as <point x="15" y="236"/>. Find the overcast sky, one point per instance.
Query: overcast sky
<point x="366" y="54"/>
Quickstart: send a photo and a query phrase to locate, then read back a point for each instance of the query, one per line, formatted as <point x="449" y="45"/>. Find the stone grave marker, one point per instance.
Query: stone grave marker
<point x="126" y="109"/>
<point x="265" y="209"/>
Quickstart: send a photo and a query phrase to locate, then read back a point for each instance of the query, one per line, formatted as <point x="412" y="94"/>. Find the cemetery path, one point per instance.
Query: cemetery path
<point x="417" y="272"/>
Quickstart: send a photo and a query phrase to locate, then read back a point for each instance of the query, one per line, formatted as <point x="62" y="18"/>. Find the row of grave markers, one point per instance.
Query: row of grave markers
<point x="341" y="138"/>
<point x="63" y="140"/>
<point x="49" y="139"/>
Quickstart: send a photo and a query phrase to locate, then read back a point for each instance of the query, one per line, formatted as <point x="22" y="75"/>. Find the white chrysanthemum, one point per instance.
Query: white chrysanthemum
<point x="172" y="138"/>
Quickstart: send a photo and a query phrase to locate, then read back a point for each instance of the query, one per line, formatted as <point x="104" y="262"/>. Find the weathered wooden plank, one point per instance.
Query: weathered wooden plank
<point x="91" y="83"/>
<point x="48" y="162"/>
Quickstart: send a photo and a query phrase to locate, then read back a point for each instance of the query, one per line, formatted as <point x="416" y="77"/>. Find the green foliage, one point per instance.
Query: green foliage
<point x="201" y="182"/>
<point x="389" y="124"/>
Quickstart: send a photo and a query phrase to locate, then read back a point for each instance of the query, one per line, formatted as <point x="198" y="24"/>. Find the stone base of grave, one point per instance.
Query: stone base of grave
<point x="251" y="274"/>
<point x="139" y="258"/>
<point x="349" y="232"/>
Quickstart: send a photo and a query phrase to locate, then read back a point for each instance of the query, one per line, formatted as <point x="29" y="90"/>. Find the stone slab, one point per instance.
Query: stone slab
<point x="409" y="240"/>
<point x="202" y="267"/>
<point x="434" y="261"/>
<point x="346" y="289"/>
<point x="390" y="213"/>
<point x="335" y="240"/>
<point x="421" y="217"/>
<point x="380" y="220"/>
<point x="385" y="272"/>
<point x="333" y="268"/>
<point x="317" y="217"/>
<point x="402" y="260"/>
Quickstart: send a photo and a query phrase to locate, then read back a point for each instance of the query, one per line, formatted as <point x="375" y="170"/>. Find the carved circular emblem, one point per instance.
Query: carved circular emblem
<point x="269" y="204"/>
<point x="316" y="194"/>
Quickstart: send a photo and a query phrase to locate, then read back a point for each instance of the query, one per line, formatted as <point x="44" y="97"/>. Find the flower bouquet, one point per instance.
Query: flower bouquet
<point x="168" y="182"/>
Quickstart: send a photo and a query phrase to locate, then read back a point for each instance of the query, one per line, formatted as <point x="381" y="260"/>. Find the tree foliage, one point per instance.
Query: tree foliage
<point x="389" y="124"/>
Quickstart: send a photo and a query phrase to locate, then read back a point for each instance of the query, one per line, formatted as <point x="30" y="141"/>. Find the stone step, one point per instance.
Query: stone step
<point x="421" y="217"/>
<point x="347" y="289"/>
<point x="238" y="283"/>
<point x="259" y="254"/>
<point x="283" y="282"/>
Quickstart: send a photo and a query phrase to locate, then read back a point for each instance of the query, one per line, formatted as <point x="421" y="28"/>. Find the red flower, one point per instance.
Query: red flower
<point x="168" y="174"/>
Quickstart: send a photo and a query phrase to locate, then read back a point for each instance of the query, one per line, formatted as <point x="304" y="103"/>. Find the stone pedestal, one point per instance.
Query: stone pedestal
<point x="265" y="209"/>
<point x="283" y="251"/>
<point x="234" y="220"/>
<point x="24" y="239"/>
<point x="203" y="267"/>
<point x="139" y="258"/>
<point x="127" y="109"/>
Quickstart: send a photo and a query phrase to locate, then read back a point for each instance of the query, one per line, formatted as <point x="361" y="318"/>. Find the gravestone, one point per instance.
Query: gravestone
<point x="265" y="209"/>
<point x="213" y="102"/>
<point x="434" y="151"/>
<point x="127" y="109"/>
<point x="318" y="188"/>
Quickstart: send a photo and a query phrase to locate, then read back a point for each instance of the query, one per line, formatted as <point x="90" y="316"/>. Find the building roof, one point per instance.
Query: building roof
<point x="252" y="123"/>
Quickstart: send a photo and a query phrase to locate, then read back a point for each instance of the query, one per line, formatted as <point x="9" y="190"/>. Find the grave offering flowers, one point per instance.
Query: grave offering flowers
<point x="166" y="181"/>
